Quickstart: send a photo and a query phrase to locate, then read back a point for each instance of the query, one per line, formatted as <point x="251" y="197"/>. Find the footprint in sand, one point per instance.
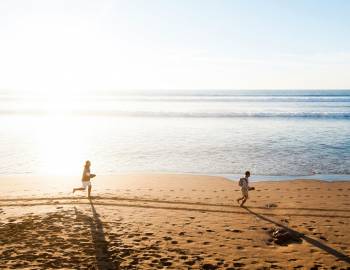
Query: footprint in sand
<point x="323" y="238"/>
<point x="191" y="262"/>
<point x="165" y="262"/>
<point x="238" y="264"/>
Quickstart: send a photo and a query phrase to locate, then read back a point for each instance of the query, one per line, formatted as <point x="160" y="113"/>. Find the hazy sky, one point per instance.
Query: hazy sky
<point x="189" y="44"/>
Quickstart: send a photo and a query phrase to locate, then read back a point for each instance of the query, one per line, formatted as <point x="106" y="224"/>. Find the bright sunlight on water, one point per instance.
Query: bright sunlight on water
<point x="275" y="133"/>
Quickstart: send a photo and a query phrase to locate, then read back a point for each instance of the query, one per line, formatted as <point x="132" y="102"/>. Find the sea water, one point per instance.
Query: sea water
<point x="274" y="134"/>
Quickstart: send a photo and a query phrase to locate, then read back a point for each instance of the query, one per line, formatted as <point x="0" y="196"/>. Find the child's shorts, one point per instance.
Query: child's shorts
<point x="245" y="192"/>
<point x="86" y="184"/>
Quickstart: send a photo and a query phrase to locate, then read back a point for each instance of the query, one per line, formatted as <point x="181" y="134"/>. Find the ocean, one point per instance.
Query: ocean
<point x="274" y="134"/>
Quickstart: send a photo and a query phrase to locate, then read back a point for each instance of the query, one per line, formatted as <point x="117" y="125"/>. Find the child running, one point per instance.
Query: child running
<point x="86" y="178"/>
<point x="244" y="184"/>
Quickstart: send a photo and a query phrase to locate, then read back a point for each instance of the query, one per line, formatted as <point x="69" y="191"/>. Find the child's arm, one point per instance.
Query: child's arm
<point x="249" y="187"/>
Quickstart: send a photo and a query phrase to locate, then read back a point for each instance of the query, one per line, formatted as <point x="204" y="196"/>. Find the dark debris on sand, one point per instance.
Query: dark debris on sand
<point x="283" y="237"/>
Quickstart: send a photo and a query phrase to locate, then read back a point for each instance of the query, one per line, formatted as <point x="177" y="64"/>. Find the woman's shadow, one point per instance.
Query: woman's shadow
<point x="103" y="256"/>
<point x="310" y="240"/>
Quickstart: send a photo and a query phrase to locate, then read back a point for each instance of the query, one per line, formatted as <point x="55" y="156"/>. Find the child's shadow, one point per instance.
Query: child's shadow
<point x="312" y="241"/>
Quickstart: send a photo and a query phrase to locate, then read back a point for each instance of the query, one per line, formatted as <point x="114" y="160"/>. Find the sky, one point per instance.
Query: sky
<point x="88" y="45"/>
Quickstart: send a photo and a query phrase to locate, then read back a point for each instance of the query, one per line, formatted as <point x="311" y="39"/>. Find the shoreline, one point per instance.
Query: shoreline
<point x="230" y="177"/>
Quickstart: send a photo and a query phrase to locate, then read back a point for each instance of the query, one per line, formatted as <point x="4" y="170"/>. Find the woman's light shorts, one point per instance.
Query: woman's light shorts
<point x="86" y="184"/>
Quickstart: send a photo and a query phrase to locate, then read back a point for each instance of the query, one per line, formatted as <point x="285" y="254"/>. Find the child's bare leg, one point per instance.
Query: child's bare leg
<point x="244" y="200"/>
<point x="75" y="189"/>
<point x="89" y="191"/>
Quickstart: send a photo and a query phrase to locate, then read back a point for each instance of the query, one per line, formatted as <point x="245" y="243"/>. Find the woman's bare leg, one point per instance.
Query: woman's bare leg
<point x="89" y="191"/>
<point x="75" y="189"/>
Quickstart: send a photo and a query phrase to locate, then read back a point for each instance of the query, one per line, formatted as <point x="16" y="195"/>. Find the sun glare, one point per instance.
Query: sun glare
<point x="61" y="147"/>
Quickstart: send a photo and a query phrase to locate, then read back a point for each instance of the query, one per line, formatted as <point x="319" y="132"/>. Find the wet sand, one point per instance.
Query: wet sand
<point x="164" y="221"/>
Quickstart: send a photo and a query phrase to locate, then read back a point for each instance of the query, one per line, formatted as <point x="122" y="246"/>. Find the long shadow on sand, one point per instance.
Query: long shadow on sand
<point x="103" y="256"/>
<point x="311" y="241"/>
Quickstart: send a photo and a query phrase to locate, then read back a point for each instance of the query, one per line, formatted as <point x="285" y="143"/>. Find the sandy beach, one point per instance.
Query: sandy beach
<point x="169" y="221"/>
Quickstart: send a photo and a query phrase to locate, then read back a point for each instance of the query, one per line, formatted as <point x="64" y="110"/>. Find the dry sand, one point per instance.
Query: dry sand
<point x="163" y="221"/>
